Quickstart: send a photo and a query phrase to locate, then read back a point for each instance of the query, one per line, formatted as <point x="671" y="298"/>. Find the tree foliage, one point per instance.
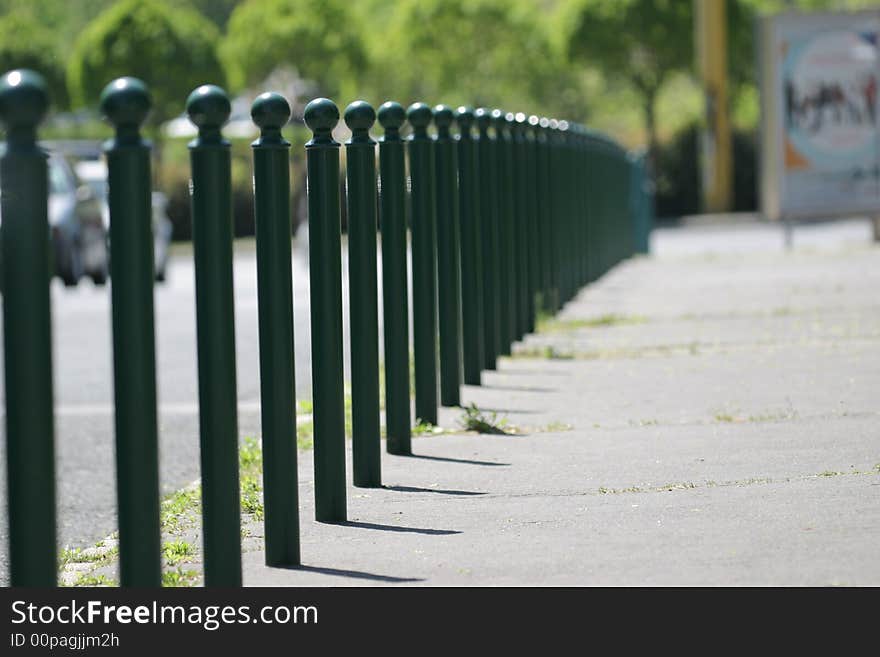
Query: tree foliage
<point x="171" y="48"/>
<point x="638" y="42"/>
<point x="317" y="38"/>
<point x="485" y="52"/>
<point x="26" y="43"/>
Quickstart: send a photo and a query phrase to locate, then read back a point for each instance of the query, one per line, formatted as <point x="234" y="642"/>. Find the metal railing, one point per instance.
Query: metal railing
<point x="510" y="215"/>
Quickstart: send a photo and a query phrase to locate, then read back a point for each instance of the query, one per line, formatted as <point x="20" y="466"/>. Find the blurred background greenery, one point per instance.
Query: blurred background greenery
<point x="625" y="67"/>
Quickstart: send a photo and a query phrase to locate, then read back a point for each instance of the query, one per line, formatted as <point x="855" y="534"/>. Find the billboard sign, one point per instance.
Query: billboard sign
<point x="820" y="121"/>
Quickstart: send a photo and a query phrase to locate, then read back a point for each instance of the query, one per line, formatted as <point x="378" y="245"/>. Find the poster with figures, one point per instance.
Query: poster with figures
<point x="820" y="154"/>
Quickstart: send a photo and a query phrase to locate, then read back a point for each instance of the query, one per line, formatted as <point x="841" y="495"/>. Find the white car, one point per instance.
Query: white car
<point x="76" y="229"/>
<point x="94" y="174"/>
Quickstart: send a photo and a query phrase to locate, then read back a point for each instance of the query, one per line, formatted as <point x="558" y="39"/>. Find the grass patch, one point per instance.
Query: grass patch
<point x="426" y="429"/>
<point x="95" y="580"/>
<point x="251" y="497"/>
<point x="750" y="481"/>
<point x="98" y="555"/>
<point x="727" y="418"/>
<point x="179" y="578"/>
<point x="305" y="435"/>
<point x="250" y="458"/>
<point x="548" y="352"/>
<point x="555" y="427"/>
<point x="177" y="551"/>
<point x="476" y="420"/>
<point x="180" y="508"/>
<point x="548" y="324"/>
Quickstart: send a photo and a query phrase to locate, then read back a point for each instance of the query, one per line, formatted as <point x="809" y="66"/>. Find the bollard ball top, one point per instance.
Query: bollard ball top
<point x="360" y="115"/>
<point x="510" y="118"/>
<point x="391" y="115"/>
<point x="270" y="111"/>
<point x="483" y="117"/>
<point x="443" y="116"/>
<point x="520" y="117"/>
<point x="126" y="101"/>
<point x="321" y="115"/>
<point x="534" y="121"/>
<point x="553" y="123"/>
<point x="464" y="116"/>
<point x="419" y="115"/>
<point x="208" y="106"/>
<point x="24" y="99"/>
<point x="563" y="125"/>
<point x="544" y="122"/>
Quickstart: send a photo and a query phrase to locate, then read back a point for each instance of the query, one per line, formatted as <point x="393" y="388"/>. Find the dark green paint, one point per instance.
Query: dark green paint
<point x="208" y="108"/>
<point x="362" y="294"/>
<point x="448" y="258"/>
<point x="487" y="183"/>
<point x="472" y="262"/>
<point x="27" y="339"/>
<point x="424" y="261"/>
<point x="325" y="269"/>
<point x="271" y="112"/>
<point x="395" y="304"/>
<point x="126" y="102"/>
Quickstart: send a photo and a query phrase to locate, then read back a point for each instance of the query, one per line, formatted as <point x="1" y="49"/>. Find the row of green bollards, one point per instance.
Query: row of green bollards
<point x="509" y="216"/>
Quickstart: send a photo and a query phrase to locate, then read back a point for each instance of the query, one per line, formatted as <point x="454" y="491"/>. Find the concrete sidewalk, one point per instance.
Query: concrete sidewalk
<point x="724" y="429"/>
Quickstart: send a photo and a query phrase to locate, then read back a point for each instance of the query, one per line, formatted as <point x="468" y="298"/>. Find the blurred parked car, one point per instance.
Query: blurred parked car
<point x="77" y="229"/>
<point x="94" y="174"/>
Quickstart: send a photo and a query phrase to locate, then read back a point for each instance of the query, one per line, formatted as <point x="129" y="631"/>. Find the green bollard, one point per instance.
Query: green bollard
<point x="126" y="103"/>
<point x="211" y="190"/>
<point x="521" y="219"/>
<point x="545" y="214"/>
<point x="584" y="185"/>
<point x="271" y="112"/>
<point x="540" y="219"/>
<point x="579" y="199"/>
<point x="448" y="258"/>
<point x="596" y="215"/>
<point x="362" y="294"/>
<point x="505" y="265"/>
<point x="565" y="215"/>
<point x="395" y="306"/>
<point x="589" y="198"/>
<point x="487" y="185"/>
<point x="534" y="233"/>
<point x="325" y="268"/>
<point x="424" y="262"/>
<point x="510" y="223"/>
<point x="471" y="250"/>
<point x="30" y="426"/>
<point x="555" y="215"/>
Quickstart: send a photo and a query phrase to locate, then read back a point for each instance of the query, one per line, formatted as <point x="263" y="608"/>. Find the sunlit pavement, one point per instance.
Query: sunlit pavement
<point x="744" y="363"/>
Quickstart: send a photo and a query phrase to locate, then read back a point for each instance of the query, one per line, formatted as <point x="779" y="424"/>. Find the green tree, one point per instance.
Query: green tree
<point x="637" y="42"/>
<point x="171" y="48"/>
<point x="217" y="11"/>
<point x="317" y="38"/>
<point x="26" y="43"/>
<point x="481" y="52"/>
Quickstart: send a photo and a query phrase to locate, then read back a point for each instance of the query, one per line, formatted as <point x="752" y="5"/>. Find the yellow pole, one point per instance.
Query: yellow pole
<point x="710" y="22"/>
